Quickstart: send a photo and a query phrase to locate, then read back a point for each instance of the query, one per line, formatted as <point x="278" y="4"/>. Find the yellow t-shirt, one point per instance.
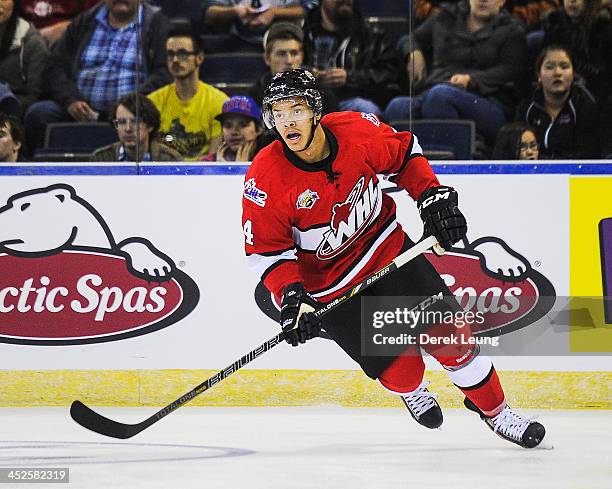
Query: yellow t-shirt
<point x="192" y="124"/>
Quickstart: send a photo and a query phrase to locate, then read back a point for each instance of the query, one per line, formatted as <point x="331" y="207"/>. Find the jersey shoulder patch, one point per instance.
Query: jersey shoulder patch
<point x="371" y="118"/>
<point x="254" y="194"/>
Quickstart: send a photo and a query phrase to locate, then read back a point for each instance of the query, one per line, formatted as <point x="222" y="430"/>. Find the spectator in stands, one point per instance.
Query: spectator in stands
<point x="188" y="106"/>
<point x="347" y="56"/>
<point x="137" y="136"/>
<point x="12" y="138"/>
<point x="562" y="113"/>
<point x="94" y="63"/>
<point x="476" y="52"/>
<point x="190" y="10"/>
<point x="52" y="17"/>
<point x="530" y="12"/>
<point x="249" y="19"/>
<point x="587" y="33"/>
<point x="284" y="51"/>
<point x="242" y="125"/>
<point x="23" y="57"/>
<point x="516" y="141"/>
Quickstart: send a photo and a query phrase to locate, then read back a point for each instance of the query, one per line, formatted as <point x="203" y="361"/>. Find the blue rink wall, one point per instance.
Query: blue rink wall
<point x="549" y="212"/>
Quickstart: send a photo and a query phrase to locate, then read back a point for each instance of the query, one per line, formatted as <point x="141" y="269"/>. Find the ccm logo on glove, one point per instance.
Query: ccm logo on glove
<point x="443" y="193"/>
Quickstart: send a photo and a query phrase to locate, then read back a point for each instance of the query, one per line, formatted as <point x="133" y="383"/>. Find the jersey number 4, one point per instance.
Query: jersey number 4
<point x="247" y="229"/>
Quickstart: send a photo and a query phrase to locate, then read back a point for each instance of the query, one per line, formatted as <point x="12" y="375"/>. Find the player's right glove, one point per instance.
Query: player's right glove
<point x="296" y="318"/>
<point x="441" y="216"/>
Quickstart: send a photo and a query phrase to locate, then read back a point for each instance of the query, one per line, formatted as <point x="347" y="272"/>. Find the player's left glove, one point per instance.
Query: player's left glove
<point x="296" y="317"/>
<point x="441" y="216"/>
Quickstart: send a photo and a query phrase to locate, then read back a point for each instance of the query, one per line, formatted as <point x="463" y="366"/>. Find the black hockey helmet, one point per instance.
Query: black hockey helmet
<point x="288" y="84"/>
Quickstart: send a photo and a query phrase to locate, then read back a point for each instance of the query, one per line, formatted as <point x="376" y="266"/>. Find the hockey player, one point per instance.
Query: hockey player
<point x="315" y="222"/>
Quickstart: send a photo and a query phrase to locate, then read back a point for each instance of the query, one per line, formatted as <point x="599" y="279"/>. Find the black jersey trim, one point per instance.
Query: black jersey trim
<point x="272" y="253"/>
<point x="354" y="263"/>
<point x="306" y="252"/>
<point x="314" y="226"/>
<point x="323" y="165"/>
<point x="481" y="383"/>
<point x="273" y="267"/>
<point x="407" y="157"/>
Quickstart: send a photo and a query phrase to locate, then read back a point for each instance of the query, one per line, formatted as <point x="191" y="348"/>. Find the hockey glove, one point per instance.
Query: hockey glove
<point x="296" y="318"/>
<point x="441" y="216"/>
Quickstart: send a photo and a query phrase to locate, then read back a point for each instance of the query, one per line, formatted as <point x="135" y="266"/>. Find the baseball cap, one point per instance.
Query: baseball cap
<point x="241" y="105"/>
<point x="283" y="29"/>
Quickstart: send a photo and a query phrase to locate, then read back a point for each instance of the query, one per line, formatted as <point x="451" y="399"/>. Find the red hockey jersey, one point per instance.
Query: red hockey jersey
<point x="328" y="224"/>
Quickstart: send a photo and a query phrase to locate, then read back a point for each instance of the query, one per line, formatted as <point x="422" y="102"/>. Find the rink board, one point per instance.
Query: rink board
<point x="192" y="214"/>
<point x="350" y="388"/>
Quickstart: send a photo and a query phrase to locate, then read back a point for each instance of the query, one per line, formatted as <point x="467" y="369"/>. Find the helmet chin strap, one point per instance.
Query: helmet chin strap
<point x="314" y="124"/>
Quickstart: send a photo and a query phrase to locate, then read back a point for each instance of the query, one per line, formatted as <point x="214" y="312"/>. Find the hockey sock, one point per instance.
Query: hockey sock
<point x="405" y="374"/>
<point x="479" y="382"/>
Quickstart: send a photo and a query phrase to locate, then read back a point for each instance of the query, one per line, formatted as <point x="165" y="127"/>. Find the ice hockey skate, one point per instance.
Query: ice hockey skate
<point x="512" y="426"/>
<point x="423" y="406"/>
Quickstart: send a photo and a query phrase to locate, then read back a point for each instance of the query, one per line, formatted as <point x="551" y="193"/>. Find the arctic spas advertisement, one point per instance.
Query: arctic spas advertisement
<point x="149" y="272"/>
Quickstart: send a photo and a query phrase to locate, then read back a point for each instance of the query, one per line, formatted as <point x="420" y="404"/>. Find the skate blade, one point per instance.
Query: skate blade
<point x="545" y="445"/>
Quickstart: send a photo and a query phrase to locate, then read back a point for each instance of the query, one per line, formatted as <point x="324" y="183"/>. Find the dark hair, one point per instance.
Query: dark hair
<point x="15" y="127"/>
<point x="182" y="28"/>
<point x="508" y="141"/>
<point x="548" y="49"/>
<point x="9" y="31"/>
<point x="146" y="109"/>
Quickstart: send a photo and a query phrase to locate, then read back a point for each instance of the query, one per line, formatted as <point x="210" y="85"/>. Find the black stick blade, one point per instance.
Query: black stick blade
<point x="93" y="421"/>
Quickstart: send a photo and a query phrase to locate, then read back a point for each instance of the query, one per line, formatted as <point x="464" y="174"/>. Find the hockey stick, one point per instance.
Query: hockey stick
<point x="93" y="421"/>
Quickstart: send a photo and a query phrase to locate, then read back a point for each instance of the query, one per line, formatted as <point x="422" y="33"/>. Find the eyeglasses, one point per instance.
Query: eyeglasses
<point x="181" y="54"/>
<point x="124" y="122"/>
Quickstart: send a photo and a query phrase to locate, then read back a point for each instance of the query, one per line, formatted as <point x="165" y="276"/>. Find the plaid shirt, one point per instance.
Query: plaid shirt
<point x="108" y="63"/>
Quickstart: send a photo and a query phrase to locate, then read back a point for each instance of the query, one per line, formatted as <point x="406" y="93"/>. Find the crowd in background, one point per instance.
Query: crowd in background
<point x="535" y="76"/>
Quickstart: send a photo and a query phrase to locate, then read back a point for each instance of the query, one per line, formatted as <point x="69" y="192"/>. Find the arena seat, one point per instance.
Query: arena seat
<point x="384" y="8"/>
<point x="232" y="89"/>
<point x="395" y="27"/>
<point x="232" y="68"/>
<point x="74" y="141"/>
<point x="227" y="43"/>
<point x="454" y="138"/>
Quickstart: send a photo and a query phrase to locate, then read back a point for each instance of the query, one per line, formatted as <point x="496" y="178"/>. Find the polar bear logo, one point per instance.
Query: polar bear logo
<point x="25" y="231"/>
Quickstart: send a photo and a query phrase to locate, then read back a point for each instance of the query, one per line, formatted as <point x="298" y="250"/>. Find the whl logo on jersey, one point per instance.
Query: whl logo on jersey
<point x="65" y="280"/>
<point x="351" y="218"/>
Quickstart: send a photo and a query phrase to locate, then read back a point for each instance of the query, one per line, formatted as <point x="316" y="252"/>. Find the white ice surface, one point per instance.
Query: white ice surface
<point x="299" y="448"/>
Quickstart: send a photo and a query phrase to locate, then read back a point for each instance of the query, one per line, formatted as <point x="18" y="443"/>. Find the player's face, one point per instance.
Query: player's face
<point x="293" y="121"/>
<point x="9" y="149"/>
<point x="556" y="73"/>
<point x="183" y="62"/>
<point x="6" y="10"/>
<point x="574" y="8"/>
<point x="238" y="130"/>
<point x="285" y="55"/>
<point x="529" y="146"/>
<point x="130" y="132"/>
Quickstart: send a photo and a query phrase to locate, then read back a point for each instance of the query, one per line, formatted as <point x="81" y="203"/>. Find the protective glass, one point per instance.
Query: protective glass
<point x="286" y="111"/>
